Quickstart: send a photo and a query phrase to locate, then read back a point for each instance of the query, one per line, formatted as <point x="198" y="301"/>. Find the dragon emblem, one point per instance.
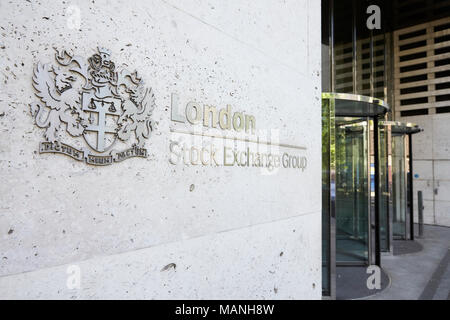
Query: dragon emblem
<point x="95" y="100"/>
<point x="136" y="115"/>
<point x="54" y="88"/>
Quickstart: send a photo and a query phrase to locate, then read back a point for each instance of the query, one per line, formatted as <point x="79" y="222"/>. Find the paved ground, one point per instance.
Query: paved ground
<point x="402" y="247"/>
<point x="351" y="283"/>
<point x="423" y="275"/>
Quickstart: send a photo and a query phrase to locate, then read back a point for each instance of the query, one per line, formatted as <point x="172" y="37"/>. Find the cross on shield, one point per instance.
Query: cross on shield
<point x="100" y="133"/>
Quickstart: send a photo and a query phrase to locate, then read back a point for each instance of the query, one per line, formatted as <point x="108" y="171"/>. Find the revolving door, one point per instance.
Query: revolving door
<point x="396" y="212"/>
<point x="350" y="172"/>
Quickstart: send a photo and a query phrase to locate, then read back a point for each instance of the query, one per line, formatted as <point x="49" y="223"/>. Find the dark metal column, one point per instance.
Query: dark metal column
<point x="411" y="194"/>
<point x="333" y="198"/>
<point x="331" y="46"/>
<point x="377" y="193"/>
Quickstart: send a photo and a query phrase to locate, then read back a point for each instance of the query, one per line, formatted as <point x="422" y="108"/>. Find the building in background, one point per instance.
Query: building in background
<point x="405" y="62"/>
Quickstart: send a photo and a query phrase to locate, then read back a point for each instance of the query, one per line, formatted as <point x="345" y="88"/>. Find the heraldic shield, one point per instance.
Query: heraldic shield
<point x="100" y="132"/>
<point x="107" y="105"/>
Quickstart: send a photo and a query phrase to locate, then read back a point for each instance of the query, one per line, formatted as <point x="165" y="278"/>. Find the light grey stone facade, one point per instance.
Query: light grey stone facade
<point x="145" y="228"/>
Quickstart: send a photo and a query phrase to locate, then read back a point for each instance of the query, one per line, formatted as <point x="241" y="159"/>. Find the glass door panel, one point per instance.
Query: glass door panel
<point x="384" y="189"/>
<point x="399" y="186"/>
<point x="326" y="228"/>
<point x="352" y="190"/>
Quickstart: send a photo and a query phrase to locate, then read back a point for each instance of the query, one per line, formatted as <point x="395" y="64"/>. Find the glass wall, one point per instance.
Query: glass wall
<point x="365" y="173"/>
<point x="354" y="58"/>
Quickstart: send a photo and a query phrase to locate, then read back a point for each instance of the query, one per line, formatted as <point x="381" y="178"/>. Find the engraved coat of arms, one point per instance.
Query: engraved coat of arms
<point x="94" y="100"/>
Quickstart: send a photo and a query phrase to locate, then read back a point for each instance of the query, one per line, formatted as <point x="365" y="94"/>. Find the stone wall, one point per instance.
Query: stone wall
<point x="145" y="228"/>
<point x="431" y="165"/>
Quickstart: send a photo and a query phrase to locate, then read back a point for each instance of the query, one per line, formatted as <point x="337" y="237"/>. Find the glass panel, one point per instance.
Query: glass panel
<point x="363" y="49"/>
<point x="358" y="108"/>
<point x="384" y="190"/>
<point x="352" y="207"/>
<point x="343" y="46"/>
<point x="326" y="197"/>
<point x="399" y="186"/>
<point x="360" y="61"/>
<point x="408" y="190"/>
<point x="326" y="59"/>
<point x="370" y="52"/>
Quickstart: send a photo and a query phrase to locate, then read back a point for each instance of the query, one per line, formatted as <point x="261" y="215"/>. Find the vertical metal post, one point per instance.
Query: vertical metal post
<point x="332" y="106"/>
<point x="372" y="66"/>
<point x="331" y="40"/>
<point x="407" y="234"/>
<point x="332" y="198"/>
<point x="354" y="48"/>
<point x="370" y="198"/>
<point x="391" y="204"/>
<point x="420" y="207"/>
<point x="411" y="194"/>
<point x="377" y="192"/>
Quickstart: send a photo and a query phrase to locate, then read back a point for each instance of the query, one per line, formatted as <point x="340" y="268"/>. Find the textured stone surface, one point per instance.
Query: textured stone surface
<point x="432" y="165"/>
<point x="240" y="264"/>
<point x="122" y="224"/>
